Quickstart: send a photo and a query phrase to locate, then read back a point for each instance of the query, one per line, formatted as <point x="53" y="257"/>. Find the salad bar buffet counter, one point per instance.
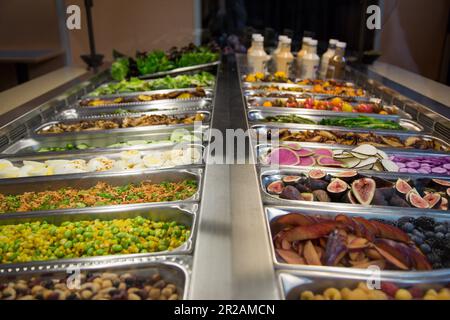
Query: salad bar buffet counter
<point x="113" y="179"/>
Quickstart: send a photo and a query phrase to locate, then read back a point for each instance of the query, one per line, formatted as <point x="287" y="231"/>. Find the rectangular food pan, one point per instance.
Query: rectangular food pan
<point x="185" y="214"/>
<point x="292" y="284"/>
<point x="101" y="141"/>
<point x="88" y="180"/>
<point x="380" y="200"/>
<point x="116" y="119"/>
<point x="74" y="113"/>
<point x="133" y="98"/>
<point x="378" y="138"/>
<point x="272" y="213"/>
<point x="94" y="161"/>
<point x="264" y="115"/>
<point x="263" y="151"/>
<point x="258" y="102"/>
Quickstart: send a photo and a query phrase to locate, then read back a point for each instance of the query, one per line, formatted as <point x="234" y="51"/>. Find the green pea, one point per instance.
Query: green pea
<point x="115" y="230"/>
<point x="79" y="231"/>
<point x="90" y="251"/>
<point x="67" y="234"/>
<point x="68" y="244"/>
<point x="117" y="248"/>
<point x="88" y="235"/>
<point x="101" y="233"/>
<point x="100" y="252"/>
<point x="162" y="247"/>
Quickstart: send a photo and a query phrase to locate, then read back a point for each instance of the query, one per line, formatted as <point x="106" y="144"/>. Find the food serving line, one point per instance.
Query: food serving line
<point x="118" y="182"/>
<point x="234" y="213"/>
<point x="322" y="164"/>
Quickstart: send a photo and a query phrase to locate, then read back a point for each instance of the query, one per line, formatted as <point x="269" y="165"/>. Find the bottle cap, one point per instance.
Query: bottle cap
<point x="306" y="39"/>
<point x="287" y="40"/>
<point x="333" y="41"/>
<point x="281" y="37"/>
<point x="341" y="45"/>
<point x="256" y="35"/>
<point x="313" y="42"/>
<point x="258" y="38"/>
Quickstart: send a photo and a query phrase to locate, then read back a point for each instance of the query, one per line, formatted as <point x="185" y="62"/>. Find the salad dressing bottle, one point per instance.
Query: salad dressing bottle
<point x="327" y="56"/>
<point x="256" y="56"/>
<point x="303" y="51"/>
<point x="284" y="58"/>
<point x="310" y="62"/>
<point x="336" y="66"/>
<point x="277" y="50"/>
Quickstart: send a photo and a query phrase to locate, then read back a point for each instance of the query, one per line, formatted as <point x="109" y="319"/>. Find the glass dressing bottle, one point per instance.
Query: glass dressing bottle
<point x="256" y="56"/>
<point x="336" y="66"/>
<point x="284" y="58"/>
<point x="327" y="56"/>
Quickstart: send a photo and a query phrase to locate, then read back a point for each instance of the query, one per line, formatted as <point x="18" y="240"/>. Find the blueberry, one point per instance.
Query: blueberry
<point x="429" y="234"/>
<point x="417" y="240"/>
<point x="440" y="228"/>
<point x="425" y="248"/>
<point x="418" y="233"/>
<point x="439" y="235"/>
<point x="408" y="227"/>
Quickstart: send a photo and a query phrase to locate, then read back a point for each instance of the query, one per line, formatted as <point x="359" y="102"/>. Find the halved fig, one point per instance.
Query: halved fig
<point x="337" y="187"/>
<point x="291" y="180"/>
<point x="441" y="183"/>
<point x="317" y="174"/>
<point x="307" y="196"/>
<point x="321" y="196"/>
<point x="402" y="186"/>
<point x="349" y="198"/>
<point x="275" y="187"/>
<point x="364" y="190"/>
<point x="326" y="161"/>
<point x="444" y="204"/>
<point x="290" y="193"/>
<point x="417" y="201"/>
<point x="448" y="192"/>
<point x="433" y="199"/>
<point x="346" y="174"/>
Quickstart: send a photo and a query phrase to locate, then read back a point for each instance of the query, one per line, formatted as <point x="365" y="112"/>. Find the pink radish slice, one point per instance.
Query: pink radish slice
<point x="307" y="161"/>
<point x="304" y="152"/>
<point x="324" y="152"/>
<point x="328" y="162"/>
<point x="283" y="157"/>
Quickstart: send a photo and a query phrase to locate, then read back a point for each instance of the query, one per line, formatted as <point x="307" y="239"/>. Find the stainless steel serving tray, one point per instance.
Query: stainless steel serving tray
<point x="209" y="94"/>
<point x="186" y="214"/>
<point x="87" y="180"/>
<point x="293" y="283"/>
<point x="273" y="212"/>
<point x="260" y="114"/>
<point x="110" y="154"/>
<point x="148" y="92"/>
<point x="176" y="270"/>
<point x="73" y="113"/>
<point x="180" y="70"/>
<point x="257" y="102"/>
<point x="99" y="142"/>
<point x="260" y="132"/>
<point x="268" y="175"/>
<point x="263" y="149"/>
<point x="179" y="114"/>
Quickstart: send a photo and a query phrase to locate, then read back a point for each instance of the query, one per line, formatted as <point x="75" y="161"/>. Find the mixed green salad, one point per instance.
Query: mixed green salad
<point x="202" y="79"/>
<point x="157" y="61"/>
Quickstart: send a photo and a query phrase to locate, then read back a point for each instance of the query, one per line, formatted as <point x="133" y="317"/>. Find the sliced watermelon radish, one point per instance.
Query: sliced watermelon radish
<point x="283" y="157"/>
<point x="328" y="162"/>
<point x="307" y="161"/>
<point x="324" y="152"/>
<point x="304" y="152"/>
<point x="293" y="145"/>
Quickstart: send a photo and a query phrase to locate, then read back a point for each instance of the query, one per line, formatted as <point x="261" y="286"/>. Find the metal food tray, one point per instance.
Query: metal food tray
<point x="261" y="130"/>
<point x="179" y="114"/>
<point x="262" y="150"/>
<point x="99" y="141"/>
<point x="260" y="114"/>
<point x="303" y="88"/>
<point x="180" y="70"/>
<point x="87" y="180"/>
<point x="110" y="154"/>
<point x="397" y="112"/>
<point x="293" y="283"/>
<point x="268" y="175"/>
<point x="208" y="92"/>
<point x="73" y="113"/>
<point x="176" y="270"/>
<point x="273" y="212"/>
